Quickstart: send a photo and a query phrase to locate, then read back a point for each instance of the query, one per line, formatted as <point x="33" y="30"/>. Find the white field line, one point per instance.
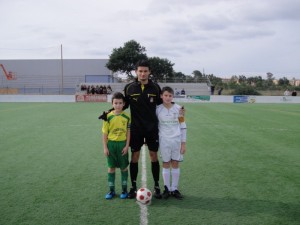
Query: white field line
<point x="143" y="208"/>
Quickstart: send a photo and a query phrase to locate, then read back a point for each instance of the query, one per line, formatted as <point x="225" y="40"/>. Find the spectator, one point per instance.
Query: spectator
<point x="93" y="89"/>
<point x="294" y="93"/>
<point x="182" y="91"/>
<point x="97" y="89"/>
<point x="101" y="90"/>
<point x="212" y="90"/>
<point x="83" y="87"/>
<point x="109" y="90"/>
<point x="220" y="91"/>
<point x="104" y="90"/>
<point x="286" y="93"/>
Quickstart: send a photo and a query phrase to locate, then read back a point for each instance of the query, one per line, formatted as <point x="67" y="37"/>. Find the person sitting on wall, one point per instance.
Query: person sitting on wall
<point x="101" y="90"/>
<point x="104" y="90"/>
<point x="93" y="90"/>
<point x="83" y="87"/>
<point x="294" y="93"/>
<point x="97" y="89"/>
<point x="182" y="91"/>
<point x="286" y="93"/>
<point x="109" y="90"/>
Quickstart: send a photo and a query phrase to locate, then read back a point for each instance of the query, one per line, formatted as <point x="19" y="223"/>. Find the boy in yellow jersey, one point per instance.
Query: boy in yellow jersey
<point x="116" y="138"/>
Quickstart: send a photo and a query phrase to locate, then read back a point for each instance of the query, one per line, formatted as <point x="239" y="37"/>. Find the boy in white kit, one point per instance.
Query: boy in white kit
<point x="172" y="141"/>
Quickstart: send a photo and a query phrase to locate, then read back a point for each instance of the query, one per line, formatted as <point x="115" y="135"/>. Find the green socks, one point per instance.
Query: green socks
<point x="124" y="178"/>
<point x="111" y="181"/>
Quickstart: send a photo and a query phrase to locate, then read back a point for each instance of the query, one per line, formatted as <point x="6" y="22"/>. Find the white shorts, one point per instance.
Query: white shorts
<point x="170" y="149"/>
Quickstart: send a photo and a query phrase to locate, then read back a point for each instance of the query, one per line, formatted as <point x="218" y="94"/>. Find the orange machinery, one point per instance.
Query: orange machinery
<point x="9" y="75"/>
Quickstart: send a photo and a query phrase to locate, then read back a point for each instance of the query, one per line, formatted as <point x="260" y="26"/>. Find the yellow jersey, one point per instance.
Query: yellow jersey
<point x="116" y="126"/>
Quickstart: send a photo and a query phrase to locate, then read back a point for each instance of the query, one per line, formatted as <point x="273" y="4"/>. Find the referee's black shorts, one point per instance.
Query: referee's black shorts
<point x="139" y="137"/>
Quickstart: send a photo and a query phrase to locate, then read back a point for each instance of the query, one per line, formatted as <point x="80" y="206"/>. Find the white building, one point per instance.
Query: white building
<point x="53" y="76"/>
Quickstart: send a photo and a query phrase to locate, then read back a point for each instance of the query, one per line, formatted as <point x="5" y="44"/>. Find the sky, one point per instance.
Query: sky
<point x="220" y="37"/>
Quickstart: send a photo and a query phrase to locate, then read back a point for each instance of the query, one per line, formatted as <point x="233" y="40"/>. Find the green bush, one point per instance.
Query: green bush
<point x="245" y="90"/>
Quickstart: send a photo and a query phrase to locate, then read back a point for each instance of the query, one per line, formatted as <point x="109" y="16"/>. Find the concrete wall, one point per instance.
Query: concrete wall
<point x="37" y="98"/>
<point x="256" y="99"/>
<point x="190" y="88"/>
<point x="212" y="99"/>
<point x="243" y="99"/>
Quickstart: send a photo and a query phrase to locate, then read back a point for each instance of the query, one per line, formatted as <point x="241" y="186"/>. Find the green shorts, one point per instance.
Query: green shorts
<point x="115" y="159"/>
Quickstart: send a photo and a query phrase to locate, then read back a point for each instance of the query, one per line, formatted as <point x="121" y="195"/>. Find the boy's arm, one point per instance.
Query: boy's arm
<point x="126" y="97"/>
<point x="159" y="100"/>
<point x="183" y="148"/>
<point x="183" y="138"/>
<point x="126" y="102"/>
<point x="103" y="116"/>
<point x="105" y="149"/>
<point x="125" y="149"/>
<point x="182" y="130"/>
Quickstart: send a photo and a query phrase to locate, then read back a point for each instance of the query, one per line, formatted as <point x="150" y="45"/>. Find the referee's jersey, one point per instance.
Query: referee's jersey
<point x="143" y="100"/>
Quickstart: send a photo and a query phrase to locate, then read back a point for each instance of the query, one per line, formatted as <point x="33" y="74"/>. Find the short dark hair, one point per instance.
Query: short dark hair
<point x="118" y="95"/>
<point x="143" y="63"/>
<point x="168" y="89"/>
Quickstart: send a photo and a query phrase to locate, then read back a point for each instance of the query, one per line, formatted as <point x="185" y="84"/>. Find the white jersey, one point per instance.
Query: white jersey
<point x="169" y="126"/>
<point x="170" y="133"/>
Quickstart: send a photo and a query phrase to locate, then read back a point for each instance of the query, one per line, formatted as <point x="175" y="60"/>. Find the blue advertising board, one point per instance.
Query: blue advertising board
<point x="240" y="99"/>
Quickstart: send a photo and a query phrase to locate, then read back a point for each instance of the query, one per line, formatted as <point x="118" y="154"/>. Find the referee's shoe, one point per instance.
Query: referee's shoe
<point x="157" y="193"/>
<point x="132" y="193"/>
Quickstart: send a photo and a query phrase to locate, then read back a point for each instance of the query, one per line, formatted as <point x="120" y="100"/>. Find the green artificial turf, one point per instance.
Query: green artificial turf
<point x="241" y="167"/>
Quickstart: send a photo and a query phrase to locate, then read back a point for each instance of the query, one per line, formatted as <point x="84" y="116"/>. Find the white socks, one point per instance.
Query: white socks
<point x="166" y="177"/>
<point x="175" y="178"/>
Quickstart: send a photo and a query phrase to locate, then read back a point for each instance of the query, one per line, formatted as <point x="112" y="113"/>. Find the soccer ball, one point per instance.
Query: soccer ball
<point x="144" y="196"/>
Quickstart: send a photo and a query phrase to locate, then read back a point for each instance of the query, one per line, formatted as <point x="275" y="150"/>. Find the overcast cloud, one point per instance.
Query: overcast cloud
<point x="221" y="37"/>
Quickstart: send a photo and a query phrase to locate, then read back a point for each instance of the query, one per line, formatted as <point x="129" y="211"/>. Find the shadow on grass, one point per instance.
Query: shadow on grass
<point x="241" y="207"/>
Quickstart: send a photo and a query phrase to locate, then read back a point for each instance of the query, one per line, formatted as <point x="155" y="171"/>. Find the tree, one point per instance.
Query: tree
<point x="189" y="79"/>
<point x="124" y="59"/>
<point x="283" y="82"/>
<point x="215" y="81"/>
<point x="197" y="75"/>
<point x="242" y="79"/>
<point x="161" y="69"/>
<point x="255" y="81"/>
<point x="179" y="77"/>
<point x="233" y="83"/>
<point x="244" y="90"/>
<point x="270" y="79"/>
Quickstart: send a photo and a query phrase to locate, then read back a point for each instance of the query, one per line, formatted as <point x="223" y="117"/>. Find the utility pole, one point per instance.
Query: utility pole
<point x="62" y="69"/>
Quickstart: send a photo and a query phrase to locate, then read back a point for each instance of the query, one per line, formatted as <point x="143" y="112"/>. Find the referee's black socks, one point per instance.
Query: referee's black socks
<point x="134" y="169"/>
<point x="155" y="172"/>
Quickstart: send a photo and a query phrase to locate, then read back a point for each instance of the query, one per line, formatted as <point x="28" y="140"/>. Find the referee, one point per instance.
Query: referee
<point x="143" y="95"/>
